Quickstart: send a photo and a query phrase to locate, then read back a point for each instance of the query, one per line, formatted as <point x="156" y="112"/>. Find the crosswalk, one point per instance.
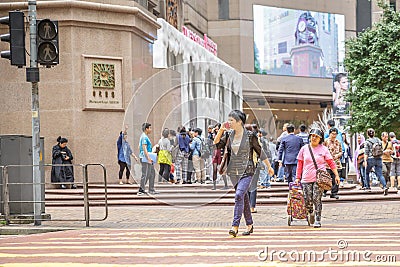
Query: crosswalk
<point x="331" y="245"/>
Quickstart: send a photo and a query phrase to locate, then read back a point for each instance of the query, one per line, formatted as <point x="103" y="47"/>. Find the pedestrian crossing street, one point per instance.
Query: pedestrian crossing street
<point x="347" y="245"/>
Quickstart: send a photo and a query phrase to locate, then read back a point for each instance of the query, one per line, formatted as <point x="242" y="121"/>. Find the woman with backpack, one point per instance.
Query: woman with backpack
<point x="373" y="158"/>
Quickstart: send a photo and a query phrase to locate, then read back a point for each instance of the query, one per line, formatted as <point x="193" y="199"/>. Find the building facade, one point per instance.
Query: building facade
<point x="117" y="68"/>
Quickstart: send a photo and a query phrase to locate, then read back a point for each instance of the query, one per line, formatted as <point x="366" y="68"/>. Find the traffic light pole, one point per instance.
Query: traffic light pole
<point x="35" y="114"/>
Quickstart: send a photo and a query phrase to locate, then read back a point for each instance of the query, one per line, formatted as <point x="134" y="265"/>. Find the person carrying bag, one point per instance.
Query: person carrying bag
<point x="311" y="169"/>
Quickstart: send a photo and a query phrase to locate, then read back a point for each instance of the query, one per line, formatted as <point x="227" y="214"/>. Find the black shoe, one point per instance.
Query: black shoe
<point x="334" y="196"/>
<point x="385" y="191"/>
<point x="184" y="182"/>
<point x="233" y="233"/>
<point x="63" y="186"/>
<point x="249" y="231"/>
<point x="73" y="186"/>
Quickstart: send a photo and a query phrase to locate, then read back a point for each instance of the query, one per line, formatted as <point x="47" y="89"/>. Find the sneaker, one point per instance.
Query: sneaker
<point x="120" y="182"/>
<point x="141" y="193"/>
<point x="129" y="182"/>
<point x="317" y="224"/>
<point x="153" y="192"/>
<point x="385" y="191"/>
<point x="341" y="184"/>
<point x="334" y="196"/>
<point x="324" y="194"/>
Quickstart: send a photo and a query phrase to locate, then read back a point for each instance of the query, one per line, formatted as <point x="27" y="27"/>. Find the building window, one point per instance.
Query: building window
<point x="282" y="48"/>
<point x="223" y="9"/>
<point x="143" y="3"/>
<point x="393" y="4"/>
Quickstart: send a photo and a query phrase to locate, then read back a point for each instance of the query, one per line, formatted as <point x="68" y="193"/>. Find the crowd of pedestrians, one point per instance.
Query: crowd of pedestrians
<point x="186" y="156"/>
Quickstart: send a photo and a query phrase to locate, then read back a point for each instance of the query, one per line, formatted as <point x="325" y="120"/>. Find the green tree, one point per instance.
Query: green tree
<point x="373" y="63"/>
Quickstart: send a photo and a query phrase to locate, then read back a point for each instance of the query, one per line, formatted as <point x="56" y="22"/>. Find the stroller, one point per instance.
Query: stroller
<point x="296" y="207"/>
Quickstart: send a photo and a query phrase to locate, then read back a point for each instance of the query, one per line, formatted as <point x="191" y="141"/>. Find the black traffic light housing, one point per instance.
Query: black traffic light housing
<point x="16" y="38"/>
<point x="47" y="42"/>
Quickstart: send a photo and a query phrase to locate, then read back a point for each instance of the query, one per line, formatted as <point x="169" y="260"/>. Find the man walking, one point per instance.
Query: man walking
<point x="148" y="173"/>
<point x="198" y="162"/>
<point x="288" y="151"/>
<point x="395" y="168"/>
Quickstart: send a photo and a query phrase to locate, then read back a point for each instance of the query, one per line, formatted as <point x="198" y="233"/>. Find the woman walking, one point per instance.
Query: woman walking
<point x="359" y="162"/>
<point x="124" y="157"/>
<point x="345" y="160"/>
<point x="216" y="160"/>
<point x="240" y="145"/>
<point x="165" y="156"/>
<point x="307" y="174"/>
<point x="62" y="156"/>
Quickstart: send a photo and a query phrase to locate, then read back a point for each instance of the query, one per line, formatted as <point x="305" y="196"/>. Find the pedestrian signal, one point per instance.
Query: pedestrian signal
<point x="47" y="42"/>
<point x="16" y="38"/>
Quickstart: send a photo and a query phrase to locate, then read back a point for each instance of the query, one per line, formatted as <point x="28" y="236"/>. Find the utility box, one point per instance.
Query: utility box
<point x="17" y="150"/>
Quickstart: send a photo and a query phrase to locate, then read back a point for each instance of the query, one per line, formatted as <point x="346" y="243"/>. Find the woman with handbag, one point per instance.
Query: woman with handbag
<point x="311" y="171"/>
<point x="240" y="144"/>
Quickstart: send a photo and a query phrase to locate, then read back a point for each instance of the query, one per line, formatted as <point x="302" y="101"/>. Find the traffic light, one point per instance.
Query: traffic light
<point x="47" y="42"/>
<point x="16" y="38"/>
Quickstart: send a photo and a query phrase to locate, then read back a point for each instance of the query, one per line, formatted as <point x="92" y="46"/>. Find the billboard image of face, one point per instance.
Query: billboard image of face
<point x="297" y="42"/>
<point x="340" y="88"/>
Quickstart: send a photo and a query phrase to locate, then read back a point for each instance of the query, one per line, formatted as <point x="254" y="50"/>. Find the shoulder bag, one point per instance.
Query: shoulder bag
<point x="324" y="180"/>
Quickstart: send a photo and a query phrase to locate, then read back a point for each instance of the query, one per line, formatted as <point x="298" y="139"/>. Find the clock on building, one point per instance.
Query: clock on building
<point x="103" y="75"/>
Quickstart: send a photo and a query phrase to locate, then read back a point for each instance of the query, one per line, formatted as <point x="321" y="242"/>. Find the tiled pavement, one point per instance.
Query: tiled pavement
<point x="172" y="236"/>
<point x="221" y="216"/>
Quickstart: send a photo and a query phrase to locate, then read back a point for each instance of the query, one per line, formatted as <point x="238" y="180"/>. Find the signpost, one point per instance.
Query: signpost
<point x="32" y="75"/>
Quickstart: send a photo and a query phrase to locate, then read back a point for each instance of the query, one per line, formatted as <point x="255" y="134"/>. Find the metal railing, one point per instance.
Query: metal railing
<point x="5" y="192"/>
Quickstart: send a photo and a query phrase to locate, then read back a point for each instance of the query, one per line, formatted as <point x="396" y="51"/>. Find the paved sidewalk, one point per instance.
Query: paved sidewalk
<point x="220" y="217"/>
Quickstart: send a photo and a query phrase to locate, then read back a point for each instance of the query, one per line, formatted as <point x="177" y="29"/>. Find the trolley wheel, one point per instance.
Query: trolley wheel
<point x="289" y="220"/>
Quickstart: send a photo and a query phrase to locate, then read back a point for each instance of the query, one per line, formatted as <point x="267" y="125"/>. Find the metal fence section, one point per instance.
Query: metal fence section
<point x="5" y="185"/>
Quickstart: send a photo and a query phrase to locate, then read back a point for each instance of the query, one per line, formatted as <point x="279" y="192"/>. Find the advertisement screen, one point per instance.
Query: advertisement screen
<point x="297" y="42"/>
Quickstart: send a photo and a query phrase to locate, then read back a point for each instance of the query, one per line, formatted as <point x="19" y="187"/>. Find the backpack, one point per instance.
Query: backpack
<point x="377" y="149"/>
<point x="205" y="148"/>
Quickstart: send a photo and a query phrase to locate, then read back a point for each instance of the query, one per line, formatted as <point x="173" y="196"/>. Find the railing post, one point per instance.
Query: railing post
<point x="86" y="195"/>
<point x="6" y="196"/>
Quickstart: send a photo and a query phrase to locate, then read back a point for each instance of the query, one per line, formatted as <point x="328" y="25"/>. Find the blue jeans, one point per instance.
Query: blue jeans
<point x="242" y="203"/>
<point x="253" y="198"/>
<point x="264" y="176"/>
<point x="377" y="164"/>
<point x="280" y="173"/>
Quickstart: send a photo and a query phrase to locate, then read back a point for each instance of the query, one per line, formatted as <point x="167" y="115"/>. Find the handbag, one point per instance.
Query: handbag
<point x="225" y="159"/>
<point x="324" y="179"/>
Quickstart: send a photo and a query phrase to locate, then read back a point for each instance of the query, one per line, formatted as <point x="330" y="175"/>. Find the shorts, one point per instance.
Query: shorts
<point x="395" y="169"/>
<point x="217" y="156"/>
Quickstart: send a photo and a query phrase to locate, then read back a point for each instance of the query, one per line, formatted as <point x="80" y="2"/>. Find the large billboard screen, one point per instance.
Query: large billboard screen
<point x="297" y="42"/>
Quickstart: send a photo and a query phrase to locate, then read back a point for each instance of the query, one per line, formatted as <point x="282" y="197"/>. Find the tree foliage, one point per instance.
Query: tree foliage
<point x="373" y="63"/>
